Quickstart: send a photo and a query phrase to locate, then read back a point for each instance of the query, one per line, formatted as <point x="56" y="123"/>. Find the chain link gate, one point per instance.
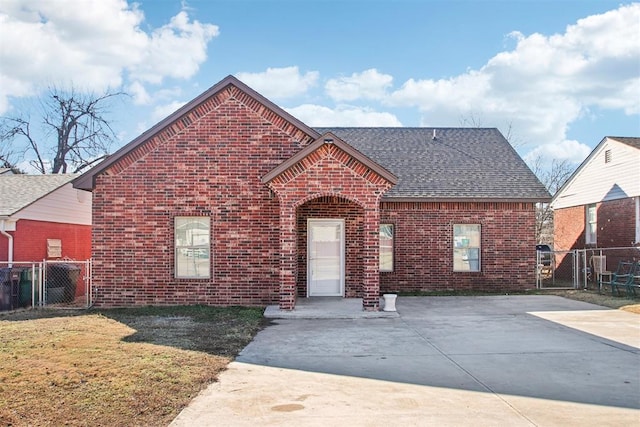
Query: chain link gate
<point x="64" y="283"/>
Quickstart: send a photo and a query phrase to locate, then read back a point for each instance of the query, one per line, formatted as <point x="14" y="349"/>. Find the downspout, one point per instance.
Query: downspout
<point x="9" y="239"/>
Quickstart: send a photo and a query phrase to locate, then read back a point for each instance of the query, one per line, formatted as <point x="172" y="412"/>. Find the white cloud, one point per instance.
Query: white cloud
<point x="280" y="83"/>
<point x="160" y="112"/>
<point x="316" y="115"/>
<point x="545" y="83"/>
<point x="572" y="151"/>
<point x="174" y="50"/>
<point x="369" y="84"/>
<point x="139" y="94"/>
<point x="95" y="45"/>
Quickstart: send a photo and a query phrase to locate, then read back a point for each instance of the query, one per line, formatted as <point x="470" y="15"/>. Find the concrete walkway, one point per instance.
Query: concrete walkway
<point x="450" y="361"/>
<point x="328" y="308"/>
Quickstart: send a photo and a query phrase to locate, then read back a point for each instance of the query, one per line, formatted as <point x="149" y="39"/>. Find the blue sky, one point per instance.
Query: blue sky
<point x="553" y="76"/>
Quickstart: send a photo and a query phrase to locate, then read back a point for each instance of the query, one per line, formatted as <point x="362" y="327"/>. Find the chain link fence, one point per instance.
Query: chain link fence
<point x="580" y="268"/>
<point x="65" y="283"/>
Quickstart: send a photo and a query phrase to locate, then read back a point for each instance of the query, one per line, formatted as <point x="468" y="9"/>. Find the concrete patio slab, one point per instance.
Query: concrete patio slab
<point x="505" y="360"/>
<point x="328" y="308"/>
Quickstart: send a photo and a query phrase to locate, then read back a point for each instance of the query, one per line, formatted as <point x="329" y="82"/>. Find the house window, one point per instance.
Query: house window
<point x="386" y="247"/>
<point x="592" y="224"/>
<point x="192" y="246"/>
<point x="637" y="220"/>
<point x="607" y="156"/>
<point x="466" y="247"/>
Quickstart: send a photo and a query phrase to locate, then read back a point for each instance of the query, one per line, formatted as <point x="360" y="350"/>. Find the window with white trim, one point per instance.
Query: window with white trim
<point x="386" y="247"/>
<point x="466" y="247"/>
<point x="637" y="220"/>
<point x="192" y="247"/>
<point x="590" y="233"/>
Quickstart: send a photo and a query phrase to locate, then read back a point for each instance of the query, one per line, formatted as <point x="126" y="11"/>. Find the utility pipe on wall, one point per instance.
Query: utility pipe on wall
<point x="10" y="241"/>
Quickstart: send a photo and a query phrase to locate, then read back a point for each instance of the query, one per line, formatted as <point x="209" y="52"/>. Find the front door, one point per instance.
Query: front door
<point x="325" y="257"/>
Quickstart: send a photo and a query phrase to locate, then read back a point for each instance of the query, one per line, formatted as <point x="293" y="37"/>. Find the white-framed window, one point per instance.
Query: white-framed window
<point x="192" y="247"/>
<point x="466" y="247"/>
<point x="386" y="247"/>
<point x="637" y="220"/>
<point x="591" y="228"/>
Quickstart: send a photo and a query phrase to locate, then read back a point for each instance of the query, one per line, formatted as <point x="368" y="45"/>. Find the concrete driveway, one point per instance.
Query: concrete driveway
<point x="498" y="360"/>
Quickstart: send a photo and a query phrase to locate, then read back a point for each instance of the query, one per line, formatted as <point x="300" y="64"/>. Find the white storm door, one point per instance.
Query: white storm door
<point x="325" y="257"/>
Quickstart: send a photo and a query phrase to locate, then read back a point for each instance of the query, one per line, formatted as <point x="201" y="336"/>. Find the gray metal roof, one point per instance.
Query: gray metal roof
<point x="19" y="191"/>
<point x="460" y="163"/>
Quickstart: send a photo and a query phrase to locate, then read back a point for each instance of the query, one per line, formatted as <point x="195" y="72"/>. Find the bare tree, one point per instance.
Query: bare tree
<point x="552" y="177"/>
<point x="474" y="120"/>
<point x="72" y="132"/>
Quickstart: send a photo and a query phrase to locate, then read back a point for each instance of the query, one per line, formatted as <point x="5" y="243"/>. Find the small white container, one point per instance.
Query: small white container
<point x="389" y="302"/>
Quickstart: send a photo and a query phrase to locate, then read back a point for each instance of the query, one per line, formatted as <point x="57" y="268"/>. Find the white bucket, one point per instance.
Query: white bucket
<point x="389" y="302"/>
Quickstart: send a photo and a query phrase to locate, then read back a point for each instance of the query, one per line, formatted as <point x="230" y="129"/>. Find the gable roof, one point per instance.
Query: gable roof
<point x="329" y="138"/>
<point x="589" y="183"/>
<point x="87" y="180"/>
<point x="19" y="191"/>
<point x="459" y="164"/>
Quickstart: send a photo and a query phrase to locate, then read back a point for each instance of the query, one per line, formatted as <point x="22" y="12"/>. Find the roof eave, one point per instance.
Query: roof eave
<point x="405" y="199"/>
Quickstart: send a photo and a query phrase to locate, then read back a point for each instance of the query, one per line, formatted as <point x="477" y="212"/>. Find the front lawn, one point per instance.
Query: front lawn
<point x="126" y="367"/>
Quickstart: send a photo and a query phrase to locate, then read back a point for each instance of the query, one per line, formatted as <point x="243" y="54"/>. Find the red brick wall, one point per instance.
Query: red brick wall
<point x="30" y="240"/>
<point x="423" y="246"/>
<point x="616" y="225"/>
<point x="208" y="163"/>
<point x="569" y="228"/>
<point x="334" y="207"/>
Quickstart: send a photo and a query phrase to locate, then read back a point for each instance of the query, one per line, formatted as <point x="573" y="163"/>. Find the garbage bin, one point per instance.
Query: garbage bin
<point x="62" y="281"/>
<point x="26" y="281"/>
<point x="5" y="289"/>
<point x="9" y="288"/>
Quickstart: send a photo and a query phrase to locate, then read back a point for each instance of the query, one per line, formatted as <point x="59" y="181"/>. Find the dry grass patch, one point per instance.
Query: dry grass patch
<point x="114" y="368"/>
<point x="625" y="303"/>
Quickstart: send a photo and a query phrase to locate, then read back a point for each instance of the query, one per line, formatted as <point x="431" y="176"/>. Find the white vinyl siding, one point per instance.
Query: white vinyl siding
<point x="599" y="181"/>
<point x="65" y="205"/>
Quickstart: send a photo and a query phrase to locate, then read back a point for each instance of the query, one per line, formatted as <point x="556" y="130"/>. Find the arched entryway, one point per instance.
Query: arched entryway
<point x="330" y="247"/>
<point x="334" y="181"/>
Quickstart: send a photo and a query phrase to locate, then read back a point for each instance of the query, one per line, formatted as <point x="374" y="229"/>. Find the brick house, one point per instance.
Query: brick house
<point x="43" y="217"/>
<point x="232" y="201"/>
<point x="599" y="205"/>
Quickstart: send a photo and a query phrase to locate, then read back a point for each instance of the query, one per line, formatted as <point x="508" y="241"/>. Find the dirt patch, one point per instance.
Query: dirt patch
<point x="135" y="367"/>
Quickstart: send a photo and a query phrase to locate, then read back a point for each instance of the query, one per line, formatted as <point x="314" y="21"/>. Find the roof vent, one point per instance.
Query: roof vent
<point x="434" y="135"/>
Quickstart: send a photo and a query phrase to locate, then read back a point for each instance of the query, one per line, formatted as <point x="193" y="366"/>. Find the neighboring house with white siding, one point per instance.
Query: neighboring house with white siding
<point x="43" y="217"/>
<point x="599" y="205"/>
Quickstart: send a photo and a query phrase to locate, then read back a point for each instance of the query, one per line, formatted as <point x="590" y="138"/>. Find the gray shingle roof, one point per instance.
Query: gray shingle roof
<point x="19" y="191"/>
<point x="629" y="140"/>
<point x="461" y="163"/>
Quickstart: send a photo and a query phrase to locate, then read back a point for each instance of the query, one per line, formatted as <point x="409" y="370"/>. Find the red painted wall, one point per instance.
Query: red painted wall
<point x="30" y="240"/>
